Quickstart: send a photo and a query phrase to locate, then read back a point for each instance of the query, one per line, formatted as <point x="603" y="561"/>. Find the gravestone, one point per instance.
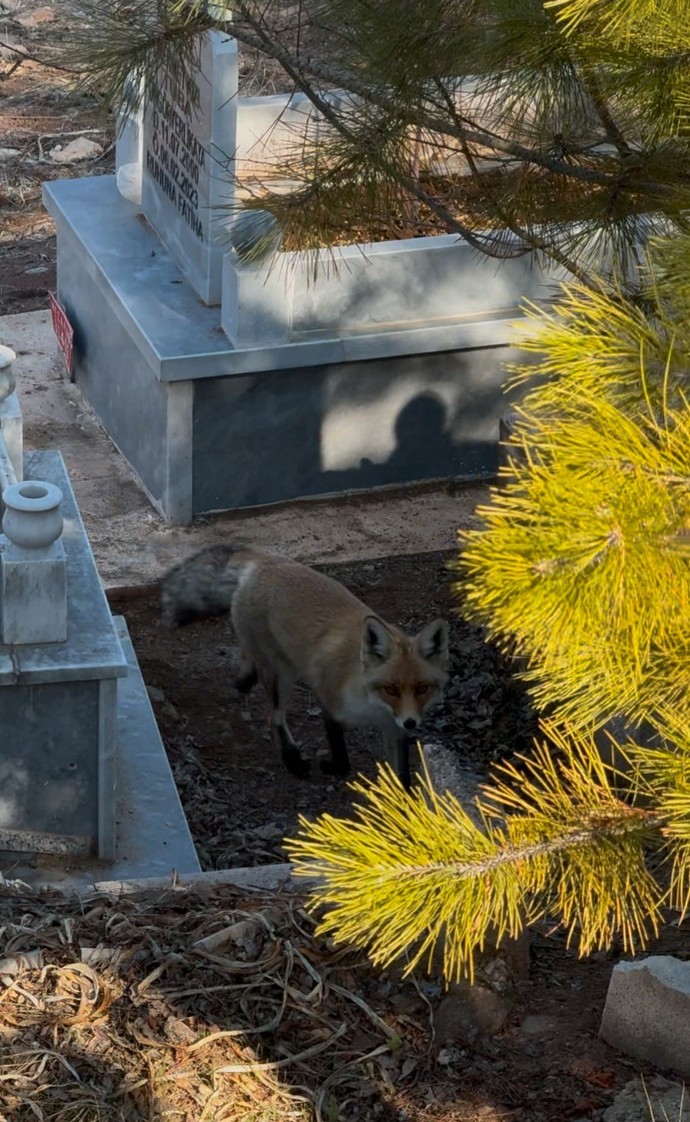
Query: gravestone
<point x="189" y="138"/>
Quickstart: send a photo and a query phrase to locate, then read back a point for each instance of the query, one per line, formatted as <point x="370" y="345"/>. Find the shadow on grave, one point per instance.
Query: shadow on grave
<point x="132" y="1008"/>
<point x="325" y="430"/>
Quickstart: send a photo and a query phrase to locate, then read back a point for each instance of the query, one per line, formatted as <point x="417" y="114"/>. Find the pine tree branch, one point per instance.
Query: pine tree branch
<point x="531" y="241"/>
<point x="614" y="134"/>
<point x="299" y="65"/>
<point x="482" y="243"/>
<point x="633" y="820"/>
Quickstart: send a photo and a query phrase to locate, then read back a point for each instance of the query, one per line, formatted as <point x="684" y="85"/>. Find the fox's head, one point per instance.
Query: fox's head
<point x="405" y="675"/>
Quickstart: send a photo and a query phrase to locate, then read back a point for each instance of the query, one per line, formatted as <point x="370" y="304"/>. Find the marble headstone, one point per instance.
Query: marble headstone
<point x="189" y="139"/>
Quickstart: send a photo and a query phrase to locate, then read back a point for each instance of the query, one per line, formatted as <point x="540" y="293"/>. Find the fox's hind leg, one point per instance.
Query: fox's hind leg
<point x="247" y="675"/>
<point x="279" y="690"/>
<point x="339" y="763"/>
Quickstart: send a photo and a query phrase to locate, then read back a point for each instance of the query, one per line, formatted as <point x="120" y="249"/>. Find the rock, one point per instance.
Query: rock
<point x="248" y="934"/>
<point x="647" y="1011"/>
<point x="9" y="153"/>
<point x="267" y="832"/>
<point x="10" y="47"/>
<point x="655" y="1099"/>
<point x="168" y="710"/>
<point x="155" y="694"/>
<point x="35" y="18"/>
<point x="80" y="149"/>
<point x="467" y="1012"/>
<point x="538" y="1024"/>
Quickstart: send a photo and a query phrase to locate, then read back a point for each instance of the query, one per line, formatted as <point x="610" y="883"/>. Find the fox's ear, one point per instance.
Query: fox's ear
<point x="377" y="642"/>
<point x="432" y="642"/>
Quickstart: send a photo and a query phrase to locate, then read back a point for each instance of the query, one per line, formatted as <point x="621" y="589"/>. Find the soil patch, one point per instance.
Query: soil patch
<point x="239" y="800"/>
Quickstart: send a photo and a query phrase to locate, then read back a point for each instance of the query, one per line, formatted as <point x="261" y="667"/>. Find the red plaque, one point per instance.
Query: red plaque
<point x="63" y="330"/>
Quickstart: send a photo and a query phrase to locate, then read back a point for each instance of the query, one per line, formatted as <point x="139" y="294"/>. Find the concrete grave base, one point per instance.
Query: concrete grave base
<point x="209" y="426"/>
<point x="83" y="770"/>
<point x="152" y="835"/>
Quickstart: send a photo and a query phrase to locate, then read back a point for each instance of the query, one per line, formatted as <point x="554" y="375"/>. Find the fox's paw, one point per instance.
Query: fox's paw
<point x="295" y="762"/>
<point x="340" y="767"/>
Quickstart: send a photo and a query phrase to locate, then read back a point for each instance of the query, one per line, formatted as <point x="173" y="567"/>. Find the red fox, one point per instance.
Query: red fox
<point x="294" y="624"/>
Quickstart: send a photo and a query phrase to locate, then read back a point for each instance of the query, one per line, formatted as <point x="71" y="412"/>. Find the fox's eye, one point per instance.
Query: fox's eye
<point x="391" y="691"/>
<point x="422" y="689"/>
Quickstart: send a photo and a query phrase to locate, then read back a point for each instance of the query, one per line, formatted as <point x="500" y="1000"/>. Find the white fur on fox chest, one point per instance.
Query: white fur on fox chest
<point x="360" y="710"/>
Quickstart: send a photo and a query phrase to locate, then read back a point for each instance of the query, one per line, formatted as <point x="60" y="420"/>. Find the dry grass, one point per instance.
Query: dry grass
<point x="193" y="1007"/>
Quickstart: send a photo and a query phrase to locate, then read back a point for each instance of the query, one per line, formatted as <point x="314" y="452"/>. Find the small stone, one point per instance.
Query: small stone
<point x="179" y="1032"/>
<point x="538" y="1024"/>
<point x="168" y="710"/>
<point x="9" y="153"/>
<point x="468" y="1012"/>
<point x="36" y="270"/>
<point x="647" y="1011"/>
<point x="655" y="1098"/>
<point x="80" y="149"/>
<point x="447" y="1056"/>
<point x="155" y="694"/>
<point x="35" y="18"/>
<point x="270" y="830"/>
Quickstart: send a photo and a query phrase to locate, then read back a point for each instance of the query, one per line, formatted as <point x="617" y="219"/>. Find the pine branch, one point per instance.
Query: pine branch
<point x="417" y="870"/>
<point x="302" y="65"/>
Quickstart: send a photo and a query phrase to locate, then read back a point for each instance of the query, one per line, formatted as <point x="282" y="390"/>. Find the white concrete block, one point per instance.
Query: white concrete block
<point x="256" y="304"/>
<point x="33" y="596"/>
<point x="647" y="1011"/>
<point x="381" y="288"/>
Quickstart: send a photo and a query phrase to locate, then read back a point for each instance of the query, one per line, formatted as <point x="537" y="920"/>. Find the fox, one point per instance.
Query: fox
<point x="295" y="624"/>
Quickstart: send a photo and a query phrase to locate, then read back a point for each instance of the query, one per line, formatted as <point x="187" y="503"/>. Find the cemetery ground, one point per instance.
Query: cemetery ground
<point x="214" y="1003"/>
<point x="110" y="1001"/>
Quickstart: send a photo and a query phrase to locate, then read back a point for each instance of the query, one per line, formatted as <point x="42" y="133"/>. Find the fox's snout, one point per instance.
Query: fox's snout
<point x="408" y="711"/>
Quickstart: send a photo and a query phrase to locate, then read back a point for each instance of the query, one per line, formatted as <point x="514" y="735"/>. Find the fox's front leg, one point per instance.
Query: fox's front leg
<point x="279" y="692"/>
<point x="398" y="756"/>
<point x="339" y="763"/>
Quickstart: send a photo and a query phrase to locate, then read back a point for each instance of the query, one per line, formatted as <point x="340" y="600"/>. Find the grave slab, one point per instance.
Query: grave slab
<point x="209" y="426"/>
<point x="57" y="708"/>
<point x="152" y="835"/>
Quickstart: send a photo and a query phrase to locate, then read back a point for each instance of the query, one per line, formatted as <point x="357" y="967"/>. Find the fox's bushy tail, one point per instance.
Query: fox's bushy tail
<point x="201" y="586"/>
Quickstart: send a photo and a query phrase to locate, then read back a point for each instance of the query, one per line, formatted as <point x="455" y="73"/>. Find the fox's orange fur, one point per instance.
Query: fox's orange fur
<point x="293" y="624"/>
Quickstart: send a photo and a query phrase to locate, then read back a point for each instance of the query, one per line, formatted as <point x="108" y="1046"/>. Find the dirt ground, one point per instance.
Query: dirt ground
<point x="39" y="109"/>
<point x="239" y="801"/>
<point x="547" y="1063"/>
<point x="217" y="1006"/>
